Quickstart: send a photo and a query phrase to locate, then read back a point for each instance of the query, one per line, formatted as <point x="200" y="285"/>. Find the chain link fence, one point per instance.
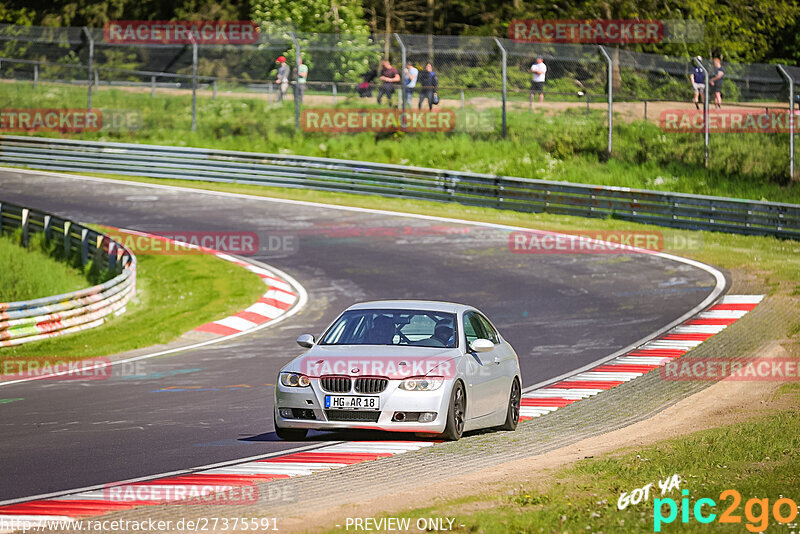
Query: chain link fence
<point x="482" y="74"/>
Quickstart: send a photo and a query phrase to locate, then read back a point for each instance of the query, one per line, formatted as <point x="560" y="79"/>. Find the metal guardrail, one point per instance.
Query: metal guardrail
<point x="33" y="320"/>
<point x="522" y="194"/>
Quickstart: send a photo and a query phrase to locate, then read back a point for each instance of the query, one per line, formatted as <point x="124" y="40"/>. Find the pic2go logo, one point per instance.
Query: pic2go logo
<point x="756" y="511"/>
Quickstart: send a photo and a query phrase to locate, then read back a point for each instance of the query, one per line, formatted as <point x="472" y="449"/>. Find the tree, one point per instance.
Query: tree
<point x="334" y="38"/>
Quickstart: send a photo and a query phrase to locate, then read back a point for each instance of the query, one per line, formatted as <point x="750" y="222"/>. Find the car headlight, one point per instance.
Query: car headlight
<point x="295" y="380"/>
<point x="422" y="383"/>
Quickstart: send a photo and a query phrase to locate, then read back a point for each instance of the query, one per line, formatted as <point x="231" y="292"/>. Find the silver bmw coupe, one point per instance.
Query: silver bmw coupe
<point x="404" y="366"/>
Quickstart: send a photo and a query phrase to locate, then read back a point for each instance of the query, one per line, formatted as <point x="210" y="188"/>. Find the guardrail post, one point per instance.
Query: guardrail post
<point x="47" y="230"/>
<point x="790" y="80"/>
<point x="505" y="81"/>
<point x="706" y="110"/>
<point x="610" y="98"/>
<point x="84" y="246"/>
<point x="91" y="65"/>
<point x="112" y="255"/>
<point x="194" y="82"/>
<point x="67" y="239"/>
<point x="25" y="217"/>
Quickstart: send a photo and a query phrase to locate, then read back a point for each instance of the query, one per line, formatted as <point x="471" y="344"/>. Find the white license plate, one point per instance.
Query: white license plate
<point x="352" y="403"/>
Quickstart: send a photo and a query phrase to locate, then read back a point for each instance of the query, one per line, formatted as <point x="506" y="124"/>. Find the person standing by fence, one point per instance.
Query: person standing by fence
<point x="716" y="82"/>
<point x="410" y="75"/>
<point x="283" y="78"/>
<point x="389" y="77"/>
<point x="539" y="70"/>
<point x="301" y="77"/>
<point x="698" y="78"/>
<point x="428" y="83"/>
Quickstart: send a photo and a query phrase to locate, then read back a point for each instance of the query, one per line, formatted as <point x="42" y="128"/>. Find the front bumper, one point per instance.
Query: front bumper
<point x="392" y="400"/>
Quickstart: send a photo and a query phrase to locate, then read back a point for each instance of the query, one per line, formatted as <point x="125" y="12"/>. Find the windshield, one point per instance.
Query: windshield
<point x="393" y="327"/>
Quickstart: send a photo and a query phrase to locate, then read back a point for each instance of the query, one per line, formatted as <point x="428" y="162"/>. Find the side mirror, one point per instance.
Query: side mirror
<point x="481" y="345"/>
<point x="306" y="341"/>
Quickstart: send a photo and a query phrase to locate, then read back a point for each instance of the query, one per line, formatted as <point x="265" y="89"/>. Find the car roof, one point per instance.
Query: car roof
<point x="422" y="305"/>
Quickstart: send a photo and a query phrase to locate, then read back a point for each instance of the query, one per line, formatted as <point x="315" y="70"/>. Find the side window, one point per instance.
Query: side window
<point x="490" y="332"/>
<point x="470" y="331"/>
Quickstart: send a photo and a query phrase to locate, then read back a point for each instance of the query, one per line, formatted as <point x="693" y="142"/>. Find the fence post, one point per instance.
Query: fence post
<point x="402" y="103"/>
<point x="790" y="81"/>
<point x="610" y="98"/>
<point x="214" y="97"/>
<point x="194" y="82"/>
<point x="91" y="66"/>
<point x="35" y="75"/>
<point x="333" y="89"/>
<point x="152" y="86"/>
<point x="296" y="85"/>
<point x="706" y="109"/>
<point x="505" y="81"/>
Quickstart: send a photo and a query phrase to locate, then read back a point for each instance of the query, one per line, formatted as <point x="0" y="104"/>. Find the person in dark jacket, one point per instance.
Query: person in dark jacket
<point x="427" y="82"/>
<point x="365" y="87"/>
<point x="390" y="78"/>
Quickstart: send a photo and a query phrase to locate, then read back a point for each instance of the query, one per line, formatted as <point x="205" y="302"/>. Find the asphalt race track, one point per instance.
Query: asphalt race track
<point x="215" y="403"/>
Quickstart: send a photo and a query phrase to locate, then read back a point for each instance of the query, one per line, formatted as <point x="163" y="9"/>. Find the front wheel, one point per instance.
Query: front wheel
<point x="288" y="434"/>
<point x="512" y="414"/>
<point x="456" y="413"/>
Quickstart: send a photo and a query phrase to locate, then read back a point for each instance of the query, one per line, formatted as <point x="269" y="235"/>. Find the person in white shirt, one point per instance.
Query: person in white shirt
<point x="410" y="74"/>
<point x="539" y="69"/>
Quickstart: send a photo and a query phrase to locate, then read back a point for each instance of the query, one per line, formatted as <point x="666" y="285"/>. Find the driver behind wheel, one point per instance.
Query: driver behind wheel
<point x="444" y="333"/>
<point x="383" y="331"/>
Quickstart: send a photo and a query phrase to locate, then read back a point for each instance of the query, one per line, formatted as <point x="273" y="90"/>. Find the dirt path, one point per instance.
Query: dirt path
<point x="724" y="403"/>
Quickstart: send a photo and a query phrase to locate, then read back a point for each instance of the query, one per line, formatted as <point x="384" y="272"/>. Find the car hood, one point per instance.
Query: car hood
<point x="392" y="361"/>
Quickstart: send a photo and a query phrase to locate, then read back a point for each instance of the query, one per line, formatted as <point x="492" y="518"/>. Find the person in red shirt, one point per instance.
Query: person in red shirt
<point x="390" y="78"/>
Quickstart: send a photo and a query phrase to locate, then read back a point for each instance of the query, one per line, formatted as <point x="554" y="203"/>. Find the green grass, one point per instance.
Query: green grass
<point x="758" y="458"/>
<point x="174" y="295"/>
<point x="567" y="147"/>
<point x="32" y="272"/>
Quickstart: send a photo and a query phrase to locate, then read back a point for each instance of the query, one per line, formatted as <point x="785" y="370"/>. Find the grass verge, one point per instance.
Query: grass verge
<point x="759" y="459"/>
<point x="174" y="295"/>
<point x="32" y="272"/>
<point x="567" y="146"/>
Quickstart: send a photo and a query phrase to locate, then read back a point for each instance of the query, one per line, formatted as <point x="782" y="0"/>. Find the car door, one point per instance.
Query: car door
<point x="481" y="370"/>
<point x="504" y="360"/>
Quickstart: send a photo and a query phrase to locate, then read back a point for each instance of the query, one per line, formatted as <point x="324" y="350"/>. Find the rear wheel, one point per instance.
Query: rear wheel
<point x="288" y="434"/>
<point x="512" y="414"/>
<point x="456" y="413"/>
